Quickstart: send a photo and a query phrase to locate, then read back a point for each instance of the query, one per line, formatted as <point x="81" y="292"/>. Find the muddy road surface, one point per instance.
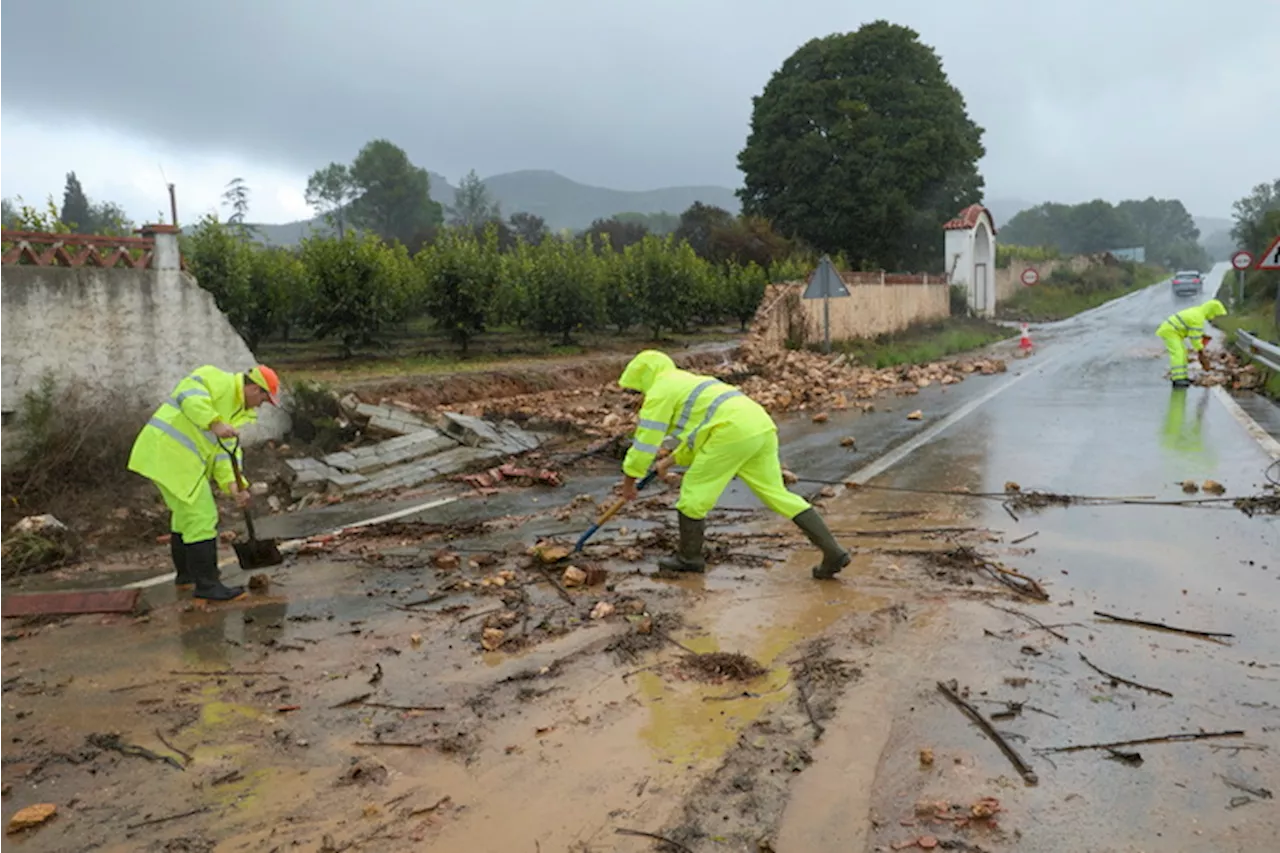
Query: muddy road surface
<point x="428" y="684"/>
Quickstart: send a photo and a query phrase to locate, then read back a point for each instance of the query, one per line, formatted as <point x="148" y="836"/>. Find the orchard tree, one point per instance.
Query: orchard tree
<point x="620" y="234"/>
<point x="393" y="195"/>
<point x="222" y="261"/>
<point x="743" y="290"/>
<point x="76" y="212"/>
<point x="860" y="144"/>
<point x="358" y="287"/>
<point x="621" y="308"/>
<point x="563" y="289"/>
<point x="1250" y="214"/>
<point x="330" y="191"/>
<point x="460" y="278"/>
<point x="473" y="206"/>
<point x="667" y="280"/>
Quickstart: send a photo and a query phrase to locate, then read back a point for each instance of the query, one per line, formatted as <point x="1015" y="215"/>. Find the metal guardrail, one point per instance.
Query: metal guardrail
<point x="1268" y="355"/>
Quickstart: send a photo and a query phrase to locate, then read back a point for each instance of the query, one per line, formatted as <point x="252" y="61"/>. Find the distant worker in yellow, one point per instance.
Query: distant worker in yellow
<point x="722" y="433"/>
<point x="180" y="450"/>
<point x="1187" y="327"/>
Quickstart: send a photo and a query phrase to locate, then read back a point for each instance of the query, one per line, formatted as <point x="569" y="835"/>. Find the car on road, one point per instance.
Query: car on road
<point x="1187" y="283"/>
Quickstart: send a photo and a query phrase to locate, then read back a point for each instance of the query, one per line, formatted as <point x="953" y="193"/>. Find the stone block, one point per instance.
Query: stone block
<point x="470" y="430"/>
<point x="415" y="473"/>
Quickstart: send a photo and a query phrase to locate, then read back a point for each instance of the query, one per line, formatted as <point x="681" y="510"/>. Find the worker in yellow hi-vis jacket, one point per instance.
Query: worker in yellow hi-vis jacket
<point x="722" y="433"/>
<point x="180" y="450"/>
<point x="1187" y="325"/>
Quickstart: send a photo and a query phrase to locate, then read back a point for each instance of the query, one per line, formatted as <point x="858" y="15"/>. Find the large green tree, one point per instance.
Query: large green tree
<point x="860" y="144"/>
<point x="329" y="190"/>
<point x="393" y="196"/>
<point x="76" y="212"/>
<point x="1250" y="215"/>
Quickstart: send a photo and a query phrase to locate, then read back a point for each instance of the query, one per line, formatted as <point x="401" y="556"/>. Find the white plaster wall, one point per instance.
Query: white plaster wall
<point x="131" y="333"/>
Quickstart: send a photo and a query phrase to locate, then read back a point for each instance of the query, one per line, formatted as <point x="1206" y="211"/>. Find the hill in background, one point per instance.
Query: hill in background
<point x="562" y="202"/>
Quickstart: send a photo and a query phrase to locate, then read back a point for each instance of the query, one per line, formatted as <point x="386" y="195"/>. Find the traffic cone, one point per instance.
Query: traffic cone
<point x="1024" y="342"/>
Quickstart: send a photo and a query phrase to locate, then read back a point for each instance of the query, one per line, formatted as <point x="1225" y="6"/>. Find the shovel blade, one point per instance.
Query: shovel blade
<point x="258" y="554"/>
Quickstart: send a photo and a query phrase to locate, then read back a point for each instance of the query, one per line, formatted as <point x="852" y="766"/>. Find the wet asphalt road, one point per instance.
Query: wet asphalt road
<point x="1093" y="414"/>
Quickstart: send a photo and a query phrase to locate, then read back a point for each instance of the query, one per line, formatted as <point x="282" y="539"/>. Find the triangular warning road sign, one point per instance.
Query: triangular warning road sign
<point x="1270" y="259"/>
<point x="826" y="281"/>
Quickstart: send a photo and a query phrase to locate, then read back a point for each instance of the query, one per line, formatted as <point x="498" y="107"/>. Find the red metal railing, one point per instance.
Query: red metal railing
<point x="37" y="248"/>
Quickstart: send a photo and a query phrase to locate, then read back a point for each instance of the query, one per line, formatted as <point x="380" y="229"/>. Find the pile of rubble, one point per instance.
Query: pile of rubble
<point x="1226" y="368"/>
<point x="415" y="452"/>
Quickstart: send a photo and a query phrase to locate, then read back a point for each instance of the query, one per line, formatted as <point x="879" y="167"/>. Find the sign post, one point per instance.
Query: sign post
<point x="1241" y="261"/>
<point x="1270" y="260"/>
<point x="1029" y="276"/>
<point x="825" y="283"/>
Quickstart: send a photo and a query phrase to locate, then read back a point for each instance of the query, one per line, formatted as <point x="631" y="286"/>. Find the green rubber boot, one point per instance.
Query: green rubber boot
<point x="688" y="557"/>
<point x="834" y="558"/>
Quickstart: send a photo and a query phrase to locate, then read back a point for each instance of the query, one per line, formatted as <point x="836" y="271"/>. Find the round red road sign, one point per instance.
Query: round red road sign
<point x="1029" y="276"/>
<point x="1242" y="260"/>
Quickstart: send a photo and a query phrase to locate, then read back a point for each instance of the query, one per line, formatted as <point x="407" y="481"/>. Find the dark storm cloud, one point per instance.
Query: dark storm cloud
<point x="1078" y="99"/>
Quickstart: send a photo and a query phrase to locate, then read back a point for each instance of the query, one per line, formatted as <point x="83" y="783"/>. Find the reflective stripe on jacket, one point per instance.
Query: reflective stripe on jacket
<point x="684" y="405"/>
<point x="176" y="449"/>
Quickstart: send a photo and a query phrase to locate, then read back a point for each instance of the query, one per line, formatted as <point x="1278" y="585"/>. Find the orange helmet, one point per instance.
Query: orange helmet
<point x="265" y="378"/>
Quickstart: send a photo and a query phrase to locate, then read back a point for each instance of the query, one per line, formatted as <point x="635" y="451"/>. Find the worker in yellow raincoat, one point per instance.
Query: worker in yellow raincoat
<point x="722" y="433"/>
<point x="1187" y="325"/>
<point x="181" y="450"/>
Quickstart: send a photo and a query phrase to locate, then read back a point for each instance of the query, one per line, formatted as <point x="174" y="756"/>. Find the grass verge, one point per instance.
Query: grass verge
<point x="926" y="342"/>
<point x="1066" y="293"/>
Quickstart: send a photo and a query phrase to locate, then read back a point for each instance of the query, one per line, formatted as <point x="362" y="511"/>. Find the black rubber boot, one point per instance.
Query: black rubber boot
<point x="834" y="558"/>
<point x="184" y="581"/>
<point x="688" y="557"/>
<point x="1182" y="383"/>
<point x="202" y="562"/>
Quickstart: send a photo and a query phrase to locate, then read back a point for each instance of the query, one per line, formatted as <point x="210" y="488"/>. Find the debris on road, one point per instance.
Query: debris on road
<point x="1160" y="626"/>
<point x="1173" y="738"/>
<point x="510" y="472"/>
<point x="1115" y="679"/>
<point x="72" y="602"/>
<point x="31" y="817"/>
<point x="719" y="667"/>
<point x="1024" y="769"/>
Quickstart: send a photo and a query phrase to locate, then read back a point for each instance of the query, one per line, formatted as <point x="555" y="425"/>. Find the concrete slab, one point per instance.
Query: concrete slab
<point x="71" y="602"/>
<point x="388" y="420"/>
<point x="470" y="430"/>
<point x="415" y="473"/>
<point x="393" y="451"/>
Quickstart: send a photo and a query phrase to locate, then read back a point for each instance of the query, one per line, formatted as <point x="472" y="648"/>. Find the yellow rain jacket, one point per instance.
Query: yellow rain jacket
<point x="1189" y="322"/>
<point x="176" y="450"/>
<point x="686" y="406"/>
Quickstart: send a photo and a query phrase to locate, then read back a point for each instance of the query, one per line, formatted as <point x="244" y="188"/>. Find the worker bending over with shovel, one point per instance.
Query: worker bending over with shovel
<point x="722" y="433"/>
<point x="179" y="451"/>
<point x="1188" y="325"/>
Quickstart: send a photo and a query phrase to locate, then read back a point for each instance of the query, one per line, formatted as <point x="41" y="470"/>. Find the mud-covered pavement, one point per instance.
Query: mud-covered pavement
<point x="353" y="705"/>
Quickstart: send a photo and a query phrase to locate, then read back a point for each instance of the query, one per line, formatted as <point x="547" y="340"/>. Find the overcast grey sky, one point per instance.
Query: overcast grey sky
<point x="1079" y="99"/>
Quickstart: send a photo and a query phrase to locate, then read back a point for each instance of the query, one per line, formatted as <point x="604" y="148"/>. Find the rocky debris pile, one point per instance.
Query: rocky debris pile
<point x="1230" y="370"/>
<point x="794" y="380"/>
<point x="421" y="453"/>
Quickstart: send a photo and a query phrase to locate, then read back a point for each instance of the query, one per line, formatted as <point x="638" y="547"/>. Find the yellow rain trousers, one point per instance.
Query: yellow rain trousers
<point x="1186" y="325"/>
<point x="722" y="432"/>
<point x="176" y="451"/>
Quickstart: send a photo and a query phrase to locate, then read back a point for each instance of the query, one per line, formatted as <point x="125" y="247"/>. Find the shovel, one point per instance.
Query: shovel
<point x="256" y="553"/>
<point x="610" y="512"/>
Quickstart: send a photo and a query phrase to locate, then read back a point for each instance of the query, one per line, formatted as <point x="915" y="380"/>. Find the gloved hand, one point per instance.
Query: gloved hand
<point x="1204" y="359"/>
<point x="1204" y="340"/>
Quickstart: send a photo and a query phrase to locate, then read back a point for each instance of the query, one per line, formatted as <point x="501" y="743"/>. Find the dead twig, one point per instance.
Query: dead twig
<point x="1125" y="681"/>
<point x="818" y="730"/>
<point x="1022" y="539"/>
<point x="1261" y="793"/>
<point x="480" y="613"/>
<point x="672" y="640"/>
<point x="430" y="599"/>
<point x="1033" y="620"/>
<point x="220" y="673"/>
<point x="226" y="778"/>
<point x="437" y="804"/>
<point x="1024" y="769"/>
<point x="390" y="707"/>
<point x="1160" y="626"/>
<point x="413" y="744"/>
<point x="354" y="700"/>
<point x="186" y="756"/>
<point x="153" y="821"/>
<point x="675" y="845"/>
<point x="1173" y="738"/>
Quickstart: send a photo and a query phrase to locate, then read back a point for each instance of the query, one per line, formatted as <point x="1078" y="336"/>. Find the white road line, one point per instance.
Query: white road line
<point x="893" y="457"/>
<point x="1269" y="445"/>
<point x="294" y="544"/>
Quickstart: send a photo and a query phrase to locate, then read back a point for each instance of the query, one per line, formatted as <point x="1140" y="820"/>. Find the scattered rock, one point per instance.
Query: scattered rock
<point x="415" y="640"/>
<point x="789" y="477"/>
<point x="926" y="756"/>
<point x="596" y="575"/>
<point x="45" y="524"/>
<point x="492" y="638"/>
<point x="1213" y="487"/>
<point x="366" y="771"/>
<point x="1190" y="486"/>
<point x="821" y="418"/>
<point x="550" y="552"/>
<point x="1011" y="486"/>
<point x="446" y="560"/>
<point x="602" y="610"/>
<point x="917" y="415"/>
<point x="259" y="582"/>
<point x="574" y="576"/>
<point x="848" y="441"/>
<point x="31" y="816"/>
